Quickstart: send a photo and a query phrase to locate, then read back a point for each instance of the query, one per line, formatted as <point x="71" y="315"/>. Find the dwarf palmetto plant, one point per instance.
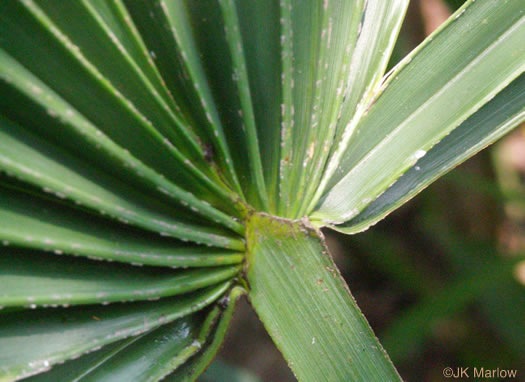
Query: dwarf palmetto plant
<point x="196" y="147"/>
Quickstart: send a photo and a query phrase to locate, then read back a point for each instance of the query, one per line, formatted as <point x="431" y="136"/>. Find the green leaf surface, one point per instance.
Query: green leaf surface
<point x="82" y="22"/>
<point x="74" y="370"/>
<point x="35" y="161"/>
<point x="38" y="223"/>
<point x="240" y="74"/>
<point x="317" y="41"/>
<point x="155" y="354"/>
<point x="51" y="336"/>
<point x="433" y="90"/>
<point x="259" y="26"/>
<point x="377" y="35"/>
<point x="130" y="127"/>
<point x="172" y="174"/>
<point x="31" y="279"/>
<point x="196" y="365"/>
<point x="116" y="17"/>
<point x="152" y="356"/>
<point x="59" y="117"/>
<point x="141" y="358"/>
<point x="221" y="69"/>
<point x="49" y="115"/>
<point x="306" y="307"/>
<point x="491" y="122"/>
<point x="32" y="32"/>
<point x="166" y="29"/>
<point x="147" y="358"/>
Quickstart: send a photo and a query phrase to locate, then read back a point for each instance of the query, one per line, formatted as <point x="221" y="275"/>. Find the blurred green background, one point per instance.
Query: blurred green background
<point x="441" y="280"/>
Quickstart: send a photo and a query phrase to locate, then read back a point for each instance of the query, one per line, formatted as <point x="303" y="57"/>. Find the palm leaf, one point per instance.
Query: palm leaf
<point x="172" y="133"/>
<point x="306" y="307"/>
<point x="150" y="356"/>
<point x="45" y="339"/>
<point x="505" y="111"/>
<point x="135" y="358"/>
<point x="196" y="365"/>
<point x="431" y="92"/>
<point x="33" y="279"/>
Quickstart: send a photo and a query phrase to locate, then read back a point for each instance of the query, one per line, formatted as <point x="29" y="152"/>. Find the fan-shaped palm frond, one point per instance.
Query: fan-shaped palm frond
<point x="161" y="158"/>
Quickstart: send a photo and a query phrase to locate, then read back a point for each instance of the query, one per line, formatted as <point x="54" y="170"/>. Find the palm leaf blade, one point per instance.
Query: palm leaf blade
<point x="133" y="359"/>
<point x="307" y="309"/>
<point x="46" y="339"/>
<point x="495" y="119"/>
<point x="34" y="279"/>
<point x="211" y="338"/>
<point x="425" y="100"/>
<point x="35" y="161"/>
<point x="378" y="29"/>
<point x="37" y="223"/>
<point x="148" y="357"/>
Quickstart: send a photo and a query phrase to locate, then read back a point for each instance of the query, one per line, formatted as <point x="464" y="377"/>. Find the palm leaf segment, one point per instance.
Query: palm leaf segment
<point x="146" y="132"/>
